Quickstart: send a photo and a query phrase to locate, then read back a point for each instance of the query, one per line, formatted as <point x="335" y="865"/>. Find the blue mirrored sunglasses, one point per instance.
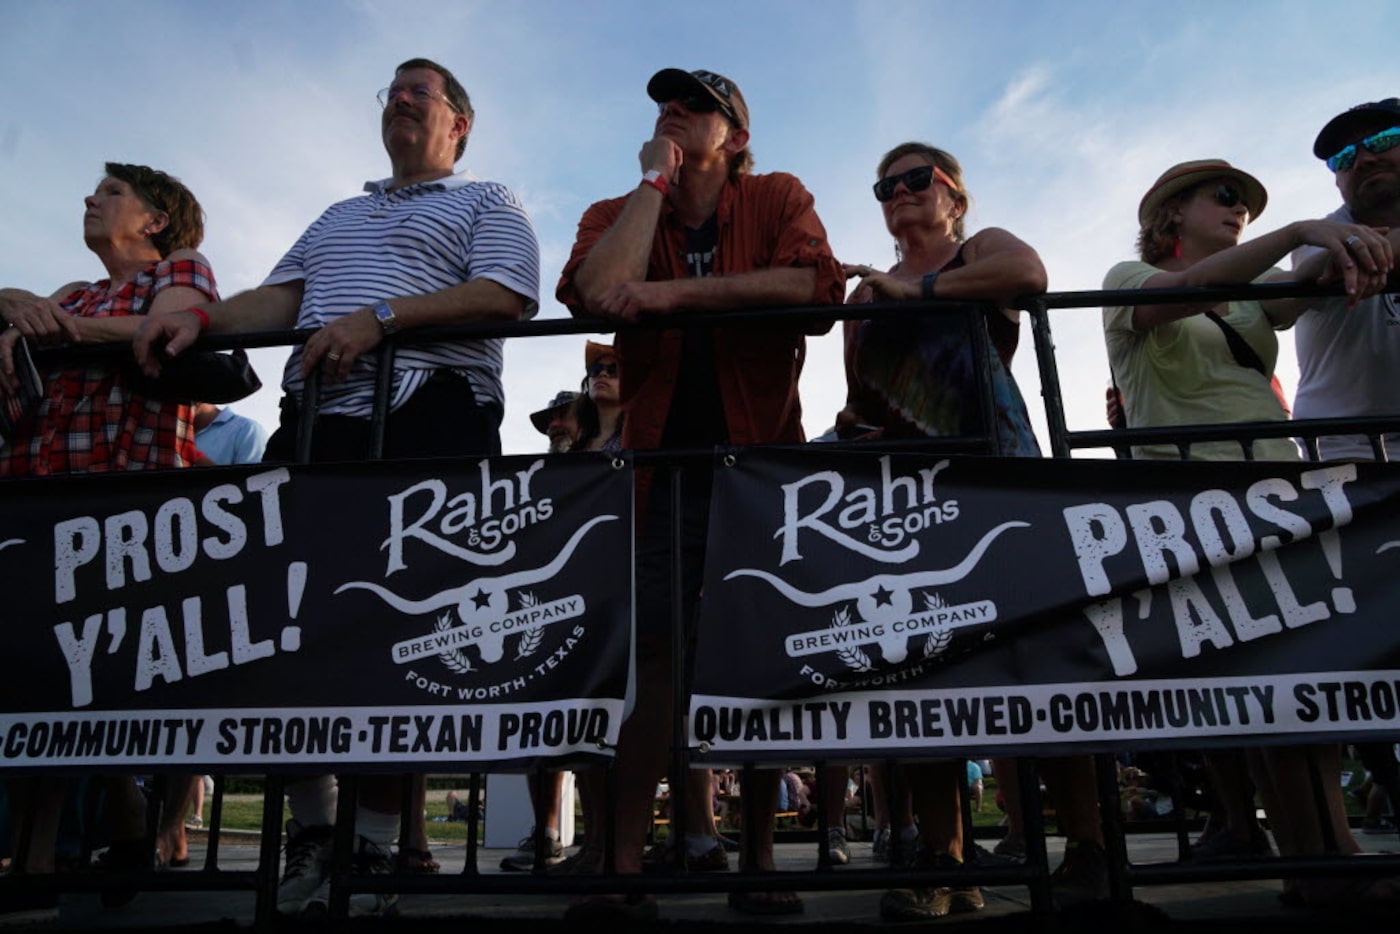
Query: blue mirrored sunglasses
<point x="1376" y="143"/>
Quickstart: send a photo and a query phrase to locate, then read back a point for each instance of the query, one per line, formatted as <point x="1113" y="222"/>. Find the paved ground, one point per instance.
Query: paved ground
<point x="1236" y="906"/>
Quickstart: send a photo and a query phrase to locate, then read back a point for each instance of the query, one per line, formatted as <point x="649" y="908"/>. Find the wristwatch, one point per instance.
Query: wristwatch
<point x="926" y="289"/>
<point x="385" y="316"/>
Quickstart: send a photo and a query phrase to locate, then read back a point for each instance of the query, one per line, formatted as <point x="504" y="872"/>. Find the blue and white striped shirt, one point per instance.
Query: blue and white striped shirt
<point x="411" y="241"/>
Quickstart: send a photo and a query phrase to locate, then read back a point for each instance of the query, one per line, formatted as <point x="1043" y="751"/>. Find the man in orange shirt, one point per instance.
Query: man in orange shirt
<point x="698" y="233"/>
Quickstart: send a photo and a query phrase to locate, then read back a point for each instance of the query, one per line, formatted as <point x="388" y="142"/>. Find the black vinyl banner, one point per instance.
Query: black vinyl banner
<point x="428" y="612"/>
<point x="895" y="603"/>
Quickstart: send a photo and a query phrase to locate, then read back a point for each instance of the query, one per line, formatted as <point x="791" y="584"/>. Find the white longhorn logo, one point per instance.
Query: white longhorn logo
<point x="490" y="598"/>
<point x="883" y="597"/>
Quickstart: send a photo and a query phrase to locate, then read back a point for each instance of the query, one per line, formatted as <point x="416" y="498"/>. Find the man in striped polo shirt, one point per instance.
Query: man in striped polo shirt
<point x="422" y="247"/>
<point x="425" y="246"/>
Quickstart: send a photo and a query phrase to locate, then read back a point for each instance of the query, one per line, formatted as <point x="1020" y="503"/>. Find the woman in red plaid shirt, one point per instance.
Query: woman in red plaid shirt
<point x="144" y="226"/>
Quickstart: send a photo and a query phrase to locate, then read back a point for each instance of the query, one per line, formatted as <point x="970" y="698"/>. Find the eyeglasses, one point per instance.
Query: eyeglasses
<point x="420" y="93"/>
<point x="1377" y="143"/>
<point x="700" y="104"/>
<point x="1227" y="196"/>
<point x="916" y="179"/>
<point x="596" y="370"/>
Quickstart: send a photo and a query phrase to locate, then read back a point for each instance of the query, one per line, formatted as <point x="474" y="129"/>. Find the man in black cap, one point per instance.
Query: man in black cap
<point x="699" y="232"/>
<point x="1349" y="359"/>
<point x="557" y="421"/>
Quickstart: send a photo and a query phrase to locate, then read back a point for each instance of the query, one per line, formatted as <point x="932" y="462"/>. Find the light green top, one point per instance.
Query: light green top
<point x="1183" y="373"/>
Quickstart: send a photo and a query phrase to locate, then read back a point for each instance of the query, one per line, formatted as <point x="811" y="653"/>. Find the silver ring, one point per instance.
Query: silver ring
<point x="1352" y="239"/>
<point x="333" y="357"/>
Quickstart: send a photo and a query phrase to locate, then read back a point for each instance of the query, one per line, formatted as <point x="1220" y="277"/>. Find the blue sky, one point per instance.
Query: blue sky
<point x="1062" y="115"/>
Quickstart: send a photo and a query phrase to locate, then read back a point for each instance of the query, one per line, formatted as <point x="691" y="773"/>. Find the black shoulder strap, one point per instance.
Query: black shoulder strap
<point x="1239" y="347"/>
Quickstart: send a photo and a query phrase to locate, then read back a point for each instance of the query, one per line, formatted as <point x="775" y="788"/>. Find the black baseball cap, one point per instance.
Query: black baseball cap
<point x="671" y="83"/>
<point x="1344" y="126"/>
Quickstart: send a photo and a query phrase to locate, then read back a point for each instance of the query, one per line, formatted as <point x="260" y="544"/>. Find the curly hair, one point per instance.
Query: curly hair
<point x="943" y="160"/>
<point x="184" y="229"/>
<point x="1157" y="239"/>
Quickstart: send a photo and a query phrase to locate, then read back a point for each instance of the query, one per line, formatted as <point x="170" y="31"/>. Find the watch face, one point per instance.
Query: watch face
<point x="385" y="314"/>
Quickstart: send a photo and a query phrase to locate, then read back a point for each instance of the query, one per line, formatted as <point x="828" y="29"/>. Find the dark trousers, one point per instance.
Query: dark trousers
<point x="441" y="419"/>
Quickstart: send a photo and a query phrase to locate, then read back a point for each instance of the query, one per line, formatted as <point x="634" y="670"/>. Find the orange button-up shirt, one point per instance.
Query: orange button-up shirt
<point x="764" y="222"/>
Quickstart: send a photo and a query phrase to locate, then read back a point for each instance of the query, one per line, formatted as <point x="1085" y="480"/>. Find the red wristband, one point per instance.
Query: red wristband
<point x="203" y="317"/>
<point x="658" y="181"/>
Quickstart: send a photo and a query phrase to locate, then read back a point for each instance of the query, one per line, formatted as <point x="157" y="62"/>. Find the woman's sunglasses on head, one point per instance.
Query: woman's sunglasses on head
<point x="596" y="370"/>
<point x="1376" y="144"/>
<point x="916" y="179"/>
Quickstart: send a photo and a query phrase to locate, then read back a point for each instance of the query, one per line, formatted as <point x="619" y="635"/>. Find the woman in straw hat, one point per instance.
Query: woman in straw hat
<point x="1175" y="364"/>
<point x="1198" y="363"/>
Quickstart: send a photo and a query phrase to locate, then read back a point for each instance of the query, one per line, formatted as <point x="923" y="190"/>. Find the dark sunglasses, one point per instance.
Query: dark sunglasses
<point x="1227" y="195"/>
<point x="1376" y="143"/>
<point x="596" y="370"/>
<point x="699" y="104"/>
<point x="916" y="179"/>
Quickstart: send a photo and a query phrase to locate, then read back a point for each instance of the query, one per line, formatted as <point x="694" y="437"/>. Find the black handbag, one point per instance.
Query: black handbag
<point x="215" y="376"/>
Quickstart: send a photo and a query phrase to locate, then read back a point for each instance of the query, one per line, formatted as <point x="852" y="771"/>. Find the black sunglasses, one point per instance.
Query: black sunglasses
<point x="598" y="369"/>
<point x="699" y="104"/>
<point x="1227" y="195"/>
<point x="916" y="179"/>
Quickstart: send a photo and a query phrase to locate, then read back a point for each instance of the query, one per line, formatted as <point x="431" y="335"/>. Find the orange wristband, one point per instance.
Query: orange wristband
<point x="203" y="317"/>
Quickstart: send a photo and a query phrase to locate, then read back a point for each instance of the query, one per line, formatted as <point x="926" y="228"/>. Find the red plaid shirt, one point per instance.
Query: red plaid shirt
<point x="88" y="420"/>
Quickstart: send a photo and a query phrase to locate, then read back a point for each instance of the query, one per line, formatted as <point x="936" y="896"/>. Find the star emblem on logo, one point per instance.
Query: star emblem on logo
<point x="481" y="599"/>
<point x="883" y="597"/>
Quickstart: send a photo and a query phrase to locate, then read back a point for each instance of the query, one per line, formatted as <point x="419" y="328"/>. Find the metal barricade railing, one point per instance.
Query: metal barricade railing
<point x="1034" y="874"/>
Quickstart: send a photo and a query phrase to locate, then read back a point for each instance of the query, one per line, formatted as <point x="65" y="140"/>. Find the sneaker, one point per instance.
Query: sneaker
<point x="915" y="904"/>
<point x="715" y="859"/>
<point x="965" y="900"/>
<point x="370" y="859"/>
<point x="1378" y="826"/>
<point x="1221" y="845"/>
<point x="880" y="849"/>
<point x="523" y="859"/>
<point x="1082" y="875"/>
<point x="928" y="903"/>
<point x="588" y="861"/>
<point x="979" y="855"/>
<point x="662" y="858"/>
<point x="904" y="854"/>
<point x="836" y="849"/>
<point x="307" y="864"/>
<point x="1012" y="847"/>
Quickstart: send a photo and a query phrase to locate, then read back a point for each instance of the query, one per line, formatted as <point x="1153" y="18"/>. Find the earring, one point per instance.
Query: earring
<point x="1176" y="248"/>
